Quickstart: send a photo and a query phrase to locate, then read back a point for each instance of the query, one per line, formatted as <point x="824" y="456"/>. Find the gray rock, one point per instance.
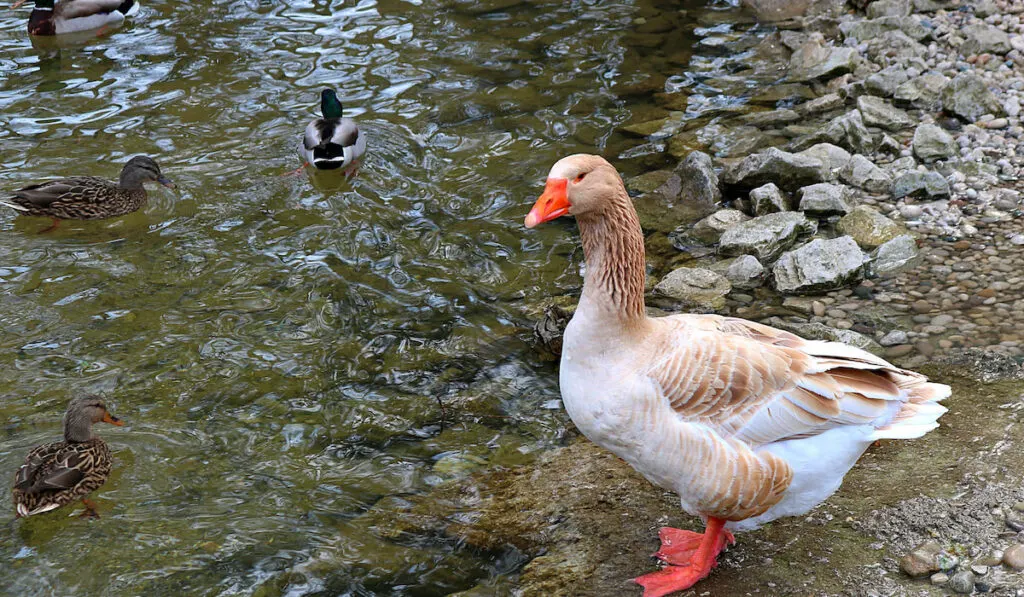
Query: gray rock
<point x="939" y="578"/>
<point x="782" y="10"/>
<point x="825" y="199"/>
<point x="774" y="165"/>
<point x="849" y="132"/>
<point x="922" y="560"/>
<point x="897" y="255"/>
<point x="745" y="272"/>
<point x="877" y="112"/>
<point x="694" y="287"/>
<point x="922" y="92"/>
<point x="864" y="174"/>
<point x="766" y="237"/>
<point x="728" y="141"/>
<point x="889" y="8"/>
<point x="894" y="47"/>
<point x="816" y="60"/>
<point x="819" y="331"/>
<point x="709" y="230"/>
<point x="932" y="5"/>
<point x="819" y="265"/>
<point x="968" y="97"/>
<point x="868" y="228"/>
<point x="825" y="103"/>
<point x="868" y="29"/>
<point x="982" y="38"/>
<point x="768" y="199"/>
<point x="962" y="582"/>
<point x="894" y="338"/>
<point x="932" y="143"/>
<point x="832" y="156"/>
<point x="885" y="81"/>
<point x="770" y="118"/>
<point x="920" y="184"/>
<point x="698" y="180"/>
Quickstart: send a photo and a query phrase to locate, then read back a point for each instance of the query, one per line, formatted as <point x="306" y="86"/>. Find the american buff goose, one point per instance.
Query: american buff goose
<point x="332" y="142"/>
<point x="745" y="422"/>
<point x="59" y="473"/>
<point x="89" y="197"/>
<point x="57" y="17"/>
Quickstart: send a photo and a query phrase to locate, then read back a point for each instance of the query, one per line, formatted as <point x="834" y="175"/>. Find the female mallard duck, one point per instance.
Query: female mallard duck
<point x="747" y="423"/>
<point x="332" y="142"/>
<point x="59" y="473"/>
<point x="89" y="197"/>
<point x="57" y="17"/>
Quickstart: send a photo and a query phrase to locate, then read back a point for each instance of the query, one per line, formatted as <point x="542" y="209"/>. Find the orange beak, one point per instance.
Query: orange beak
<point x="109" y="418"/>
<point x="553" y="203"/>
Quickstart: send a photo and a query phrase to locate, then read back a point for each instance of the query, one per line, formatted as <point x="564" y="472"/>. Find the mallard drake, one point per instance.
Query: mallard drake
<point x="89" y="197"/>
<point x="57" y="17"/>
<point x="59" y="473"/>
<point x="745" y="422"/>
<point x="332" y="142"/>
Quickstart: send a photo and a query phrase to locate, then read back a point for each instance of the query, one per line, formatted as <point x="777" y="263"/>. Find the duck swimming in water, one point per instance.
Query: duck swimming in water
<point x="57" y="17"/>
<point x="332" y="142"/>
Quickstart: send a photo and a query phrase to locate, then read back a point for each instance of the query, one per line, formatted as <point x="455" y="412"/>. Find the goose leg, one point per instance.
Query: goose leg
<point x="297" y="170"/>
<point x="90" y="509"/>
<point x="691" y="556"/>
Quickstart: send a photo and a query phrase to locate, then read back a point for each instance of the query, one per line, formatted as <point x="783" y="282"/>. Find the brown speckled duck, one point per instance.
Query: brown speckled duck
<point x="59" y="473"/>
<point x="89" y="197"/>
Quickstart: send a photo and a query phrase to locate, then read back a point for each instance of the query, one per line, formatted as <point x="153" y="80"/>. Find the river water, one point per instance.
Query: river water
<point x="289" y="349"/>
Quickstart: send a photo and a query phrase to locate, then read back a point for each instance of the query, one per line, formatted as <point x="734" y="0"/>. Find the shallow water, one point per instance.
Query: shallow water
<point x="283" y="347"/>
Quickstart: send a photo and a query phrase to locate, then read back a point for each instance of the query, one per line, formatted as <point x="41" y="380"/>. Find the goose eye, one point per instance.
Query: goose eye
<point x="580" y="178"/>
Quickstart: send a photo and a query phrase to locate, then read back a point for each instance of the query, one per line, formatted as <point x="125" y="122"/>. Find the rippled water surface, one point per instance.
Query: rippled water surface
<point x="289" y="349"/>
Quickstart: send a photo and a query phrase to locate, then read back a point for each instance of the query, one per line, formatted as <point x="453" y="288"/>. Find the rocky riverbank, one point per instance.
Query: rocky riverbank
<point x="864" y="187"/>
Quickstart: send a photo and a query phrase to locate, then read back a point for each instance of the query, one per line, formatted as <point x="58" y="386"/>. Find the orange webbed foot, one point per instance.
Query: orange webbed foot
<point x="691" y="557"/>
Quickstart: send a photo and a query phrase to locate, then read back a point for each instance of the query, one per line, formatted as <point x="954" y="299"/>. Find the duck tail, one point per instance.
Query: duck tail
<point x="9" y="202"/>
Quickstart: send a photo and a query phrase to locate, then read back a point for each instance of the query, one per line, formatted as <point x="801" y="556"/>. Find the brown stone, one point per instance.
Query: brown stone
<point x="921" y="306"/>
<point x="921" y="561"/>
<point x="1014" y="557"/>
<point x="900" y="350"/>
<point x="987" y="293"/>
<point x="962" y="245"/>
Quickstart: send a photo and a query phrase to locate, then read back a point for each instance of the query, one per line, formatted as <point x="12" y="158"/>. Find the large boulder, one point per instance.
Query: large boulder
<point x="922" y="92"/>
<point x="868" y="228"/>
<point x="868" y="29"/>
<point x="932" y="143"/>
<point x="968" y="97"/>
<point x="894" y="256"/>
<point x="745" y="272"/>
<point x="825" y="199"/>
<point x="982" y="38"/>
<point x="820" y="265"/>
<point x="877" y="112"/>
<point x="768" y="199"/>
<point x="698" y="179"/>
<point x="694" y="287"/>
<point x="885" y="81"/>
<point x="915" y="183"/>
<point x="832" y="156"/>
<point x="708" y="230"/>
<point x="847" y="131"/>
<point x="889" y="8"/>
<point x="783" y="10"/>
<point x="689" y="193"/>
<point x="864" y="174"/>
<point x="788" y="170"/>
<point x="816" y="60"/>
<point x="766" y="237"/>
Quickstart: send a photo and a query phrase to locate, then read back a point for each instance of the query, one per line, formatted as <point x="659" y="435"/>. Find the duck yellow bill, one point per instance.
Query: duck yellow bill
<point x="109" y="418"/>
<point x="553" y="203"/>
